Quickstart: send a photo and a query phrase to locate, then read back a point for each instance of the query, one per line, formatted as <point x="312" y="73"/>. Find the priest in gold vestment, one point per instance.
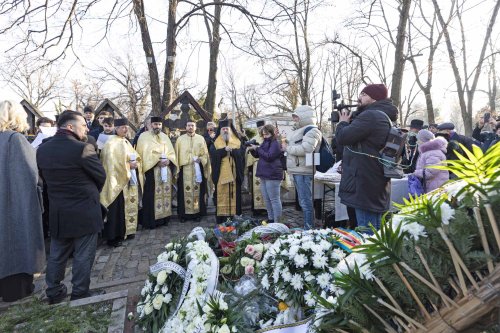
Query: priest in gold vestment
<point x="159" y="165"/>
<point x="258" y="204"/>
<point x="228" y="163"/>
<point x="192" y="174"/>
<point x="121" y="192"/>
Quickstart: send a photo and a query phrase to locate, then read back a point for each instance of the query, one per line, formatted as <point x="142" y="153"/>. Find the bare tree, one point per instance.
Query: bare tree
<point x="37" y="85"/>
<point x="465" y="86"/>
<point x="429" y="32"/>
<point x="81" y="93"/>
<point x="133" y="97"/>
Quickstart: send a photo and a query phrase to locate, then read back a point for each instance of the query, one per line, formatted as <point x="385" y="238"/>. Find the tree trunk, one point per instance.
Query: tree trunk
<point x="147" y="45"/>
<point x="451" y="55"/>
<point x="171" y="54"/>
<point x="431" y="117"/>
<point x="209" y="104"/>
<point x="399" y="58"/>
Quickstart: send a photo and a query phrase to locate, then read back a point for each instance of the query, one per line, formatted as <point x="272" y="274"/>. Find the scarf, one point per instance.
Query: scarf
<point x="65" y="132"/>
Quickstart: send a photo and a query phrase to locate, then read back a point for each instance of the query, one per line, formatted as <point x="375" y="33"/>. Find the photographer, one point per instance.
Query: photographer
<point x="270" y="171"/>
<point x="484" y="132"/>
<point x="363" y="185"/>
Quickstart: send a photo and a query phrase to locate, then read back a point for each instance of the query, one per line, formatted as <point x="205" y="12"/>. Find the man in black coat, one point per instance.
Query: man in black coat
<point x="74" y="177"/>
<point x="363" y="185"/>
<point x="410" y="155"/>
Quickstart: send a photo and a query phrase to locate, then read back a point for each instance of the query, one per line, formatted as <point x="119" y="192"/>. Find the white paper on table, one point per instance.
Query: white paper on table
<point x="197" y="171"/>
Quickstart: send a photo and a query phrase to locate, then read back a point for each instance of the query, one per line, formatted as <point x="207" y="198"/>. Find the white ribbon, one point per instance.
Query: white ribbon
<point x="304" y="326"/>
<point x="164" y="170"/>
<point x="133" y="174"/>
<point x="168" y="265"/>
<point x="197" y="171"/>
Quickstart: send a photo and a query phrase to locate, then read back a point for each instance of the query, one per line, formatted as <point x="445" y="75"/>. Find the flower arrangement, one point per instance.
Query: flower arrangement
<point x="219" y="318"/>
<point x="297" y="266"/>
<point x="429" y="255"/>
<point x="162" y="289"/>
<point x="188" y="319"/>
<point x="244" y="259"/>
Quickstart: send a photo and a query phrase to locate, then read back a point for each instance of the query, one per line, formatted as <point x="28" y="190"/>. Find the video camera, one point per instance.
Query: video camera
<point x="251" y="142"/>
<point x="337" y="107"/>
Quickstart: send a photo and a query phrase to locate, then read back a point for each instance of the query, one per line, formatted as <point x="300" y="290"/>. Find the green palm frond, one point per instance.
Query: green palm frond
<point x="385" y="246"/>
<point x="480" y="171"/>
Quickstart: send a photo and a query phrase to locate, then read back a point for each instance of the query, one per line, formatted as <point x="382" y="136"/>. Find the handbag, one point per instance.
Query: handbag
<point x="416" y="186"/>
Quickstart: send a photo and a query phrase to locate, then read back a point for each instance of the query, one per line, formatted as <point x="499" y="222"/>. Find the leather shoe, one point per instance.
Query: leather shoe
<point x="90" y="293"/>
<point x="59" y="297"/>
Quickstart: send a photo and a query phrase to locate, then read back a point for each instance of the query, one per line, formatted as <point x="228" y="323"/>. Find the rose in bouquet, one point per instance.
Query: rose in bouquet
<point x="162" y="289"/>
<point x="245" y="258"/>
<point x="297" y="266"/>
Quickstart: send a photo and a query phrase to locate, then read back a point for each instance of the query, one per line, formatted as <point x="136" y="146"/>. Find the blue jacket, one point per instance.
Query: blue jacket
<point x="269" y="166"/>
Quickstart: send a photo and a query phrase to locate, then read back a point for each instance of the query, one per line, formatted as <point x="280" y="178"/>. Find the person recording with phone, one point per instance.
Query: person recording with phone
<point x="363" y="185"/>
<point x="484" y="132"/>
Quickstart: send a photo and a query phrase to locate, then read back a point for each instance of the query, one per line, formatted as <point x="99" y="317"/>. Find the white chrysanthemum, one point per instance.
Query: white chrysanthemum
<point x="296" y="282"/>
<point x="300" y="260"/>
<point x="325" y="245"/>
<point x="308" y="297"/>
<point x="323" y="280"/>
<point x="265" y="282"/>
<point x="276" y="275"/>
<point x="293" y="251"/>
<point x="338" y="254"/>
<point x="308" y="277"/>
<point x="319" y="260"/>
<point x="415" y="230"/>
<point x="222" y="304"/>
<point x="287" y="276"/>
<point x="396" y="221"/>
<point x="447" y="213"/>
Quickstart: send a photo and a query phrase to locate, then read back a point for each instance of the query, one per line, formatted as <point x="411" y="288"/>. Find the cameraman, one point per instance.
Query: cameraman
<point x="363" y="185"/>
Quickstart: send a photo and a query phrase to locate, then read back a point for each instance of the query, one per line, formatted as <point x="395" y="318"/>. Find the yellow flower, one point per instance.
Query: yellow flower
<point x="282" y="306"/>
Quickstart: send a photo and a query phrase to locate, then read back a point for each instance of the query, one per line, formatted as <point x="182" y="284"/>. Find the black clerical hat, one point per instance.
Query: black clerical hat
<point x="225" y="123"/>
<point x="121" y="122"/>
<point x="156" y="120"/>
<point x="260" y="123"/>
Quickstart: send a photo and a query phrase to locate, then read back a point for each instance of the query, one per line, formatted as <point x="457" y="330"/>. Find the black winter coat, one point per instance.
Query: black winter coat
<point x="363" y="184"/>
<point x="74" y="176"/>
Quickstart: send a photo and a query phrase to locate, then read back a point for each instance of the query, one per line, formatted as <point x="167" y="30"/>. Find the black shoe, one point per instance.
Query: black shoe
<point x="59" y="297"/>
<point x="90" y="293"/>
<point x="131" y="236"/>
<point x="115" y="243"/>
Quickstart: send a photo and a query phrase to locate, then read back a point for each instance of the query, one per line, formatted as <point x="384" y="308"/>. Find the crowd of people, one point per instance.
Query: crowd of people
<point x="90" y="179"/>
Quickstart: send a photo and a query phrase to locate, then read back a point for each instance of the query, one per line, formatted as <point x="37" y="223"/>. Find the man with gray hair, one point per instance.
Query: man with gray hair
<point x="227" y="158"/>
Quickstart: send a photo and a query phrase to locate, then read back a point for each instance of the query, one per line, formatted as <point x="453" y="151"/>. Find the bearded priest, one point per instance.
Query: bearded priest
<point x="121" y="192"/>
<point x="228" y="164"/>
<point x="192" y="174"/>
<point x="159" y="166"/>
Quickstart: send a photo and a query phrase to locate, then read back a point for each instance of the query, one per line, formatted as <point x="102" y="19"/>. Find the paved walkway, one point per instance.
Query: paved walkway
<point x="126" y="267"/>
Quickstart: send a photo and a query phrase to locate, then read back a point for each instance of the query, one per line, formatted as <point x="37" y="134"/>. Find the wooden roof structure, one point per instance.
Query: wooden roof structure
<point x="187" y="98"/>
<point x="108" y="105"/>
<point x="32" y="114"/>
